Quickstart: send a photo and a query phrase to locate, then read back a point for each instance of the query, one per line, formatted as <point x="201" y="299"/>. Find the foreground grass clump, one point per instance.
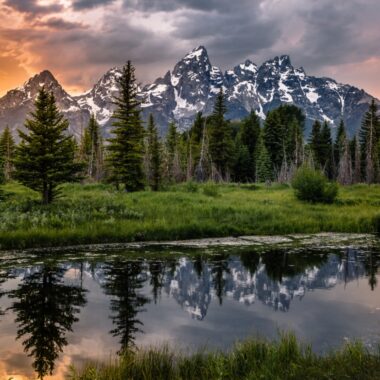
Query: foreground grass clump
<point x="100" y="214"/>
<point x="253" y="359"/>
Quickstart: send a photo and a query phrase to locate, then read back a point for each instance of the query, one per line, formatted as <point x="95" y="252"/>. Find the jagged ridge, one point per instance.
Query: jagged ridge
<point x="192" y="86"/>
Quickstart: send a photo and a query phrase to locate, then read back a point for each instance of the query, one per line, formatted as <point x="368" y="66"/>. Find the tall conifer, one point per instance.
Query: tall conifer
<point x="7" y="151"/>
<point x="126" y="148"/>
<point x="220" y="141"/>
<point x="45" y="157"/>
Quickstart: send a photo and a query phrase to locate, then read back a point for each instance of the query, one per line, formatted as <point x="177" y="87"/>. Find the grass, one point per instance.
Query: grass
<point x="96" y="213"/>
<point x="253" y="359"/>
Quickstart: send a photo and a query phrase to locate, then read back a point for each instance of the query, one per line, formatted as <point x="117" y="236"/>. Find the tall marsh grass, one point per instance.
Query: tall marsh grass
<point x="286" y="359"/>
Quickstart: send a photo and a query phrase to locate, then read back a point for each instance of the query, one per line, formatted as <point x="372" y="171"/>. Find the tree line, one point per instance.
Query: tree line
<point x="214" y="148"/>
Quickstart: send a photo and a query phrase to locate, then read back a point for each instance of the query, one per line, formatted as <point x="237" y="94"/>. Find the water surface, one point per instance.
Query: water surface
<point x="63" y="309"/>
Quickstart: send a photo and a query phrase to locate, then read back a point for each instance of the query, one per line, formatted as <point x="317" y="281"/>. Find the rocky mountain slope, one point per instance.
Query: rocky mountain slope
<point x="192" y="86"/>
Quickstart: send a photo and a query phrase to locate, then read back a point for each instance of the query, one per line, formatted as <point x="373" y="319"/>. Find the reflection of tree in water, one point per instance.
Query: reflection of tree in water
<point x="250" y="261"/>
<point x="123" y="282"/>
<point x="45" y="307"/>
<point x="157" y="276"/>
<point x="219" y="270"/>
<point x="371" y="265"/>
<point x="280" y="263"/>
<point x="4" y="276"/>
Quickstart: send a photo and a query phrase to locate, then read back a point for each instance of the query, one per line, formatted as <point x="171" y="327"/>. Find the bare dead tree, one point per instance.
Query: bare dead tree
<point x="345" y="166"/>
<point x="357" y="174"/>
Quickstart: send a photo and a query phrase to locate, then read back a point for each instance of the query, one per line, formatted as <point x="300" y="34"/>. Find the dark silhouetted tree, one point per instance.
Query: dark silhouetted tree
<point x="126" y="147"/>
<point x="45" y="156"/>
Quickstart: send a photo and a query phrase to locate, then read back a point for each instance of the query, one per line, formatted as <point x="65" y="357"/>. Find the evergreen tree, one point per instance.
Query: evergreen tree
<point x="220" y="139"/>
<point x="243" y="171"/>
<point x="340" y="141"/>
<point x="315" y="142"/>
<point x="126" y="148"/>
<point x="326" y="150"/>
<point x="195" y="142"/>
<point x="196" y="131"/>
<point x="283" y="131"/>
<point x="153" y="152"/>
<point x="249" y="135"/>
<point x="45" y="157"/>
<point x="173" y="164"/>
<point x="274" y="134"/>
<point x="7" y="151"/>
<point x="263" y="163"/>
<point x="369" y="138"/>
<point x="92" y="150"/>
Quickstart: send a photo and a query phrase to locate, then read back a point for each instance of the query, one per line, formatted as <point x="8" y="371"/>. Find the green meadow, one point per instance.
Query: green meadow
<point x="97" y="213"/>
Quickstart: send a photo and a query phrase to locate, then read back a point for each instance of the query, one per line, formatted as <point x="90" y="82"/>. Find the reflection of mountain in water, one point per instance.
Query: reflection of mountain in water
<point x="194" y="291"/>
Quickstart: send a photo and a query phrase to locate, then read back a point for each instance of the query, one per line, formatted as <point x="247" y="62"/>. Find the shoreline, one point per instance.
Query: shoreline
<point x="317" y="240"/>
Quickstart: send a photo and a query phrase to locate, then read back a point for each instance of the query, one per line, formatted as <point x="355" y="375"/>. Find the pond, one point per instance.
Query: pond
<point x="67" y="308"/>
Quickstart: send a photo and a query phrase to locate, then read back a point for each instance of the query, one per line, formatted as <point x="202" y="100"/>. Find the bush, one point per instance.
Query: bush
<point x="312" y="186"/>
<point x="211" y="189"/>
<point x="191" y="187"/>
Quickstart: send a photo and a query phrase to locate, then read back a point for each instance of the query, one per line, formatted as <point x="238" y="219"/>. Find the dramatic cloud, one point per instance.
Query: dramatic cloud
<point x="32" y="7"/>
<point x="60" y="24"/>
<point x="88" y="4"/>
<point x="80" y="39"/>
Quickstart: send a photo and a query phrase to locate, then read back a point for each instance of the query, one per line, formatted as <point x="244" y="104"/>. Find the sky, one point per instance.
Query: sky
<point x="79" y="40"/>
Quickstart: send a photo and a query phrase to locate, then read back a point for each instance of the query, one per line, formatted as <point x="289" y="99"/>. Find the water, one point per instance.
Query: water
<point x="63" y="309"/>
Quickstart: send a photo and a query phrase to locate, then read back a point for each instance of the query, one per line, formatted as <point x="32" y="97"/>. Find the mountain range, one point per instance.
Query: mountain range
<point x="191" y="87"/>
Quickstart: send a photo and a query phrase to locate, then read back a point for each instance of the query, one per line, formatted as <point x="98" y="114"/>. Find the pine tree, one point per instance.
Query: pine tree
<point x="369" y="138"/>
<point x="264" y="171"/>
<point x="283" y="130"/>
<point x="340" y="141"/>
<point x="315" y="143"/>
<point x="45" y="157"/>
<point x="126" y="148"/>
<point x="7" y="151"/>
<point x="243" y="163"/>
<point x="173" y="165"/>
<point x="92" y="150"/>
<point x="250" y="131"/>
<point x="274" y="139"/>
<point x="326" y="150"/>
<point x="220" y="139"/>
<point x="153" y="152"/>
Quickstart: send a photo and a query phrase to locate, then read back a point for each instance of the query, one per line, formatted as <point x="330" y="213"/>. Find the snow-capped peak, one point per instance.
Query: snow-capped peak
<point x="196" y="53"/>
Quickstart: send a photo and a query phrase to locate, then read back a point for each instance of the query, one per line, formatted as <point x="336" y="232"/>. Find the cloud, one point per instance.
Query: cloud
<point x="60" y="24"/>
<point x="89" y="4"/>
<point x="173" y="5"/>
<point x="31" y="7"/>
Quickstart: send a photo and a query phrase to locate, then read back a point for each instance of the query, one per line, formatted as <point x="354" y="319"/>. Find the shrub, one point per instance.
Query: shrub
<point x="191" y="187"/>
<point x="211" y="189"/>
<point x="312" y="186"/>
